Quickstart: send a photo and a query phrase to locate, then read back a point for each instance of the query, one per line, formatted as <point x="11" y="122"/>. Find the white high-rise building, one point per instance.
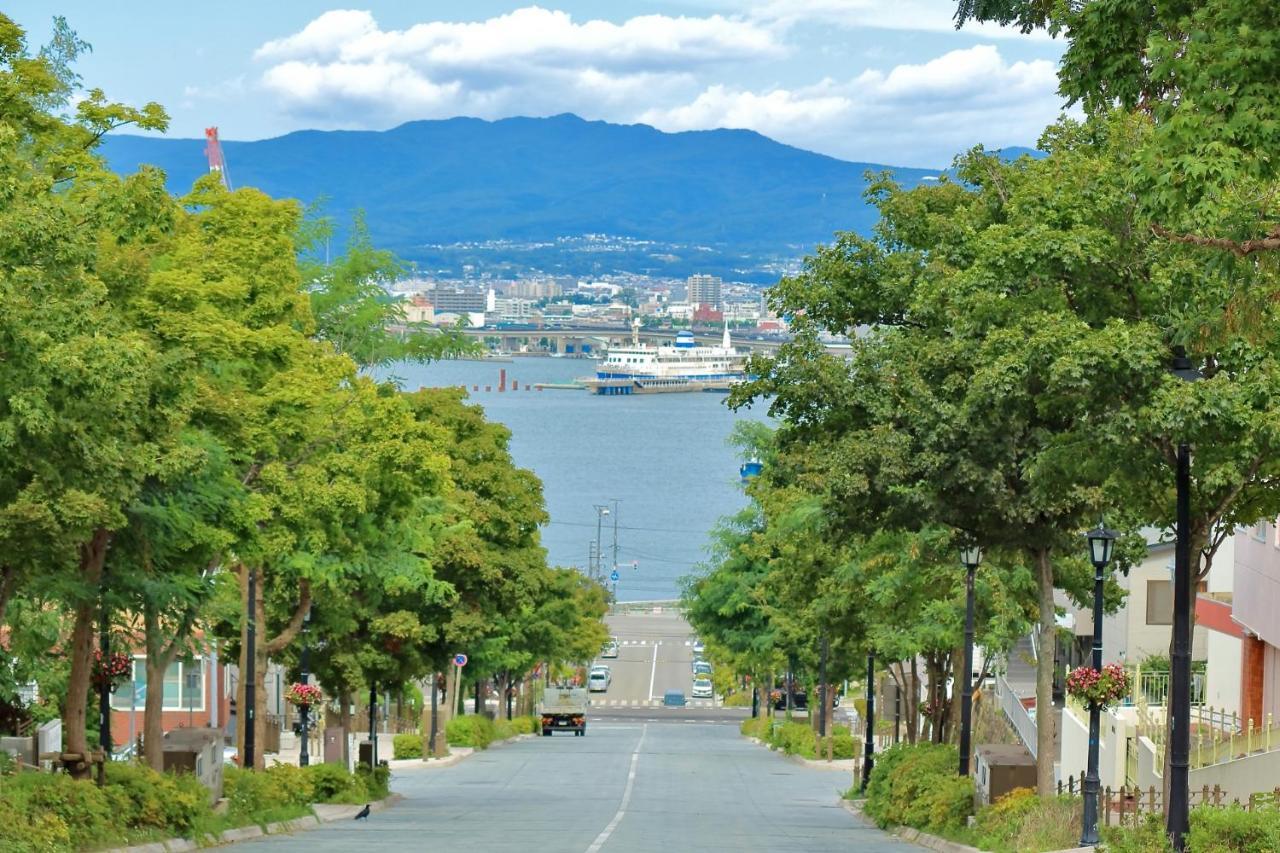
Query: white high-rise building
<point x="704" y="290"/>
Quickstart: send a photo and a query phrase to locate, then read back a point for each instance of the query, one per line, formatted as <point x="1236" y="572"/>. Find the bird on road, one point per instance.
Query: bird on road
<point x="363" y="813"/>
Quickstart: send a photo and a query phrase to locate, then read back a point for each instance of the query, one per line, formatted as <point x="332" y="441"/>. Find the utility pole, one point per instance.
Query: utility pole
<point x="373" y="722"/>
<point x="615" y="539"/>
<point x="601" y="512"/>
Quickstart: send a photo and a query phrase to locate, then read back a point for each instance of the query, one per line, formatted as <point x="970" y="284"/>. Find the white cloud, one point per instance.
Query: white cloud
<point x="344" y="59"/>
<point x="909" y="15"/>
<point x="677" y="73"/>
<point x="929" y="110"/>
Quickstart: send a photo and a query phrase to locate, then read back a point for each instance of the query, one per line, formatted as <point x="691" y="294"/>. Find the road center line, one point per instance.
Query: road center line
<point x="653" y="671"/>
<point x="626" y="793"/>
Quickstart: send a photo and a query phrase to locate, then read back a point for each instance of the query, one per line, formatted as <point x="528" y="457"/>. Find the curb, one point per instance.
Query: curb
<point x="915" y="836"/>
<point x="815" y="763"/>
<point x="456" y="754"/>
<point x="245" y="833"/>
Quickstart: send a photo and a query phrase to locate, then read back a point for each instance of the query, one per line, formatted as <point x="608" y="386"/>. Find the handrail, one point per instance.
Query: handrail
<point x="1017" y="714"/>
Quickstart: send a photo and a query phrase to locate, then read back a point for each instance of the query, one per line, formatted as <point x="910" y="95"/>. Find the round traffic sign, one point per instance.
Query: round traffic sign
<point x="613" y="576"/>
<point x="460" y="660"/>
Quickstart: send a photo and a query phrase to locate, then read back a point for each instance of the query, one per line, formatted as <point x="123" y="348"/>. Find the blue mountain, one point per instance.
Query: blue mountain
<point x="443" y="193"/>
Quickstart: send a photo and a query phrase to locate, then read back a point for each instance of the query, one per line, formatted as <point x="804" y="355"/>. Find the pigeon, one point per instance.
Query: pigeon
<point x="363" y="813"/>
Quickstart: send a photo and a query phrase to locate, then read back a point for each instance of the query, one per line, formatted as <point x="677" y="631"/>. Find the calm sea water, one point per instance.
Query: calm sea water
<point x="662" y="457"/>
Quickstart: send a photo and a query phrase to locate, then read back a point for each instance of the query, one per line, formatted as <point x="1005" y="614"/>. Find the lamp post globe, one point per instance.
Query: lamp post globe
<point x="970" y="557"/>
<point x="1101" y="546"/>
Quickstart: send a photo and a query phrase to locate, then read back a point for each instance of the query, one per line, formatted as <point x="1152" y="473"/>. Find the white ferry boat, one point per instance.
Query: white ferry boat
<point x="682" y="366"/>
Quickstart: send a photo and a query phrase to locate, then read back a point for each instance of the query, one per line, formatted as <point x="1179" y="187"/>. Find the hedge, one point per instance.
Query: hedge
<point x="797" y="738"/>
<point x="407" y="746"/>
<point x="918" y="786"/>
<point x="43" y="812"/>
<point x="478" y="731"/>
<point x="1213" y="830"/>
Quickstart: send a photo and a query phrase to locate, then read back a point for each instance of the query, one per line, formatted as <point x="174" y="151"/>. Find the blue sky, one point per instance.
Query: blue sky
<point x="886" y="81"/>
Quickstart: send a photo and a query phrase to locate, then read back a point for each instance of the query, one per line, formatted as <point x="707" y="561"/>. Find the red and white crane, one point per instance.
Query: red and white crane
<point x="217" y="162"/>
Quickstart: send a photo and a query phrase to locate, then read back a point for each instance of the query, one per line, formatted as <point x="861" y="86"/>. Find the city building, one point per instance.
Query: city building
<point x="1255" y="605"/>
<point x="704" y="290"/>
<point x="458" y="301"/>
<point x="418" y="309"/>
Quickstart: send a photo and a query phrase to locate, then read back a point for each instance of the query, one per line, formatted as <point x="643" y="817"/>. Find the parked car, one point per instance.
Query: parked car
<point x="673" y="699"/>
<point x="701" y="667"/>
<point x="598" y="681"/>
<point x="799" y="700"/>
<point x="698" y="648"/>
<point x="610" y="649"/>
<point x="702" y="688"/>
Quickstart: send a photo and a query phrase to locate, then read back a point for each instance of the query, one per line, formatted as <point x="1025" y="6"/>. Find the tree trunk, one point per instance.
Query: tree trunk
<point x="1044" y="677"/>
<point x="344" y="717"/>
<point x="957" y="695"/>
<point x="152" y="722"/>
<point x="80" y="648"/>
<point x="913" y="705"/>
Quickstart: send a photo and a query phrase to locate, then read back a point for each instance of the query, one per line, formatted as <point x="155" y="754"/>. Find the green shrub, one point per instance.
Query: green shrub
<point x="756" y="727"/>
<point x="30" y="832"/>
<point x="503" y="730"/>
<point x="739" y="699"/>
<point x="794" y="738"/>
<point x="142" y="798"/>
<point x="1020" y="821"/>
<point x="81" y="806"/>
<point x="407" y="746"/>
<point x="1234" y="830"/>
<point x="471" y="730"/>
<point x="1147" y="837"/>
<point x="376" y="782"/>
<point x="917" y="786"/>
<point x="996" y="825"/>
<point x="279" y="787"/>
<point x="526" y="725"/>
<point x="332" y="783"/>
<point x="843" y="745"/>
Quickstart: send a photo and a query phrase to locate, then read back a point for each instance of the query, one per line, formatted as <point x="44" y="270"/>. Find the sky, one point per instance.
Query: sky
<point x="883" y="81"/>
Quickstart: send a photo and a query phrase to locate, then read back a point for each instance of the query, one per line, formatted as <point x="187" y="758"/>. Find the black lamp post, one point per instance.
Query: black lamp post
<point x="1101" y="543"/>
<point x="970" y="556"/>
<point x="304" y="754"/>
<point x="869" y="747"/>
<point x="1177" y="816"/>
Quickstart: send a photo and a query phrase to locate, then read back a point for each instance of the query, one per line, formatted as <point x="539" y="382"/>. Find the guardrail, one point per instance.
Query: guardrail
<point x="1216" y="736"/>
<point x="1017" y="714"/>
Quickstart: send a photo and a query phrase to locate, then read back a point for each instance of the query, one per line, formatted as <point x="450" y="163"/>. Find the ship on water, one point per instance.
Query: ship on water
<point x="682" y="366"/>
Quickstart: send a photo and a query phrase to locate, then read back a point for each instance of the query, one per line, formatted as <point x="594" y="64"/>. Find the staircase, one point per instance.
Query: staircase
<point x="1017" y="692"/>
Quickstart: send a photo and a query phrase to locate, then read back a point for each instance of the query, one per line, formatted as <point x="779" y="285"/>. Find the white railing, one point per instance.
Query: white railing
<point x="1017" y="713"/>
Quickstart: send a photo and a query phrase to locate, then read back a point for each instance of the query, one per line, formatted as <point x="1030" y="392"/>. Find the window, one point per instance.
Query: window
<point x="1159" y="603"/>
<point x="184" y="687"/>
<point x="1260" y="531"/>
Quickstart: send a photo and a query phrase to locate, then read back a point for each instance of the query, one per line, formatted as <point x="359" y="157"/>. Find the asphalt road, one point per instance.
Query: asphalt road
<point x="655" y="654"/>
<point x="627" y="787"/>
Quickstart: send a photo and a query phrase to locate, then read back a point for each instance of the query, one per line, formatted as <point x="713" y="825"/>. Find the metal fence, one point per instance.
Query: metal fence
<point x="1018" y="715"/>
<point x="1128" y="805"/>
<point x="1216" y="736"/>
<point x="1152" y="687"/>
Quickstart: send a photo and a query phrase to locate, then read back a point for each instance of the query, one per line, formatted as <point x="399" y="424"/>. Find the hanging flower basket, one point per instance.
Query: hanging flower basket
<point x="304" y="695"/>
<point x="110" y="671"/>
<point x="1099" y="688"/>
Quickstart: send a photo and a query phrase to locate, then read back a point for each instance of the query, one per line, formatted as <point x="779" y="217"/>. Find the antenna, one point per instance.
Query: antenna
<point x="213" y="150"/>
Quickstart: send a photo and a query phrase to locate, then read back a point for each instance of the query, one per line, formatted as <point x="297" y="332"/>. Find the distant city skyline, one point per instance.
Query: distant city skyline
<point x="856" y="79"/>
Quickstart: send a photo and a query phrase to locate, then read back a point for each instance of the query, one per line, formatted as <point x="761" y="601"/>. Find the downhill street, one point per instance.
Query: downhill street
<point x="628" y="786"/>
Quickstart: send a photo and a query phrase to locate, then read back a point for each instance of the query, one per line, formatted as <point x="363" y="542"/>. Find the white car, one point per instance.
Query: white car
<point x="702" y="688"/>
<point x="610" y="649"/>
<point x="598" y="681"/>
<point x="698" y="647"/>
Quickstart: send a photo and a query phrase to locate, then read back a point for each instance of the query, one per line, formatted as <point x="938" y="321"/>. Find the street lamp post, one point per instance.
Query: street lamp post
<point x="1101" y="542"/>
<point x="1177" y="817"/>
<point x="869" y="748"/>
<point x="304" y="754"/>
<point x="970" y="556"/>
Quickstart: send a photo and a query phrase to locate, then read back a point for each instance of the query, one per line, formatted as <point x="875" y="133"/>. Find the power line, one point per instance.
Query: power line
<point x="625" y="527"/>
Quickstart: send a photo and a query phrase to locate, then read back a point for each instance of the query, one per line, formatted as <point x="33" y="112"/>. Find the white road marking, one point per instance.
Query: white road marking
<point x="626" y="796"/>
<point x="653" y="671"/>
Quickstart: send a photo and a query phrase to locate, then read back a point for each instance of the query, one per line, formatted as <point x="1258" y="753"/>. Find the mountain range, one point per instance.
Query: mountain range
<point x="558" y="194"/>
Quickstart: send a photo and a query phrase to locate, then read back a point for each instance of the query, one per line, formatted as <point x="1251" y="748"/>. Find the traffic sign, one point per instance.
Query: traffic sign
<point x="613" y="576"/>
<point x="460" y="660"/>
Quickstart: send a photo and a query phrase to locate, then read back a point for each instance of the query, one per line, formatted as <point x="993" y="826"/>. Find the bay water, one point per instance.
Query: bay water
<point x="664" y="458"/>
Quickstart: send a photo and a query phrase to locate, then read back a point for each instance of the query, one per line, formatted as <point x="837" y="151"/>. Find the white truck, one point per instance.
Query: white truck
<point x="564" y="709"/>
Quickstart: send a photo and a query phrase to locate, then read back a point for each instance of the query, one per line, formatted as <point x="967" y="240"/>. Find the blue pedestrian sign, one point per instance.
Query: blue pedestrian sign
<point x="460" y="660"/>
<point x="613" y="576"/>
